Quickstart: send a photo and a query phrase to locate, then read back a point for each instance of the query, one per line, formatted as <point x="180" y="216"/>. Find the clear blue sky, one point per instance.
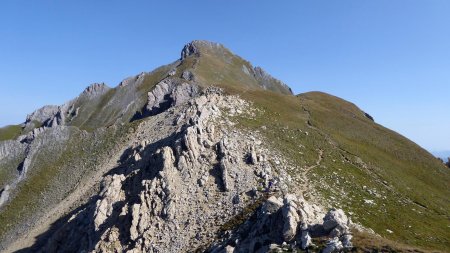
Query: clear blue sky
<point x="390" y="57"/>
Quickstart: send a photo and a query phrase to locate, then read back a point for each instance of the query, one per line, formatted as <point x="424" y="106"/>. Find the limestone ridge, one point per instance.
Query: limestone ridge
<point x="29" y="146"/>
<point x="52" y="115"/>
<point x="164" y="195"/>
<point x="266" y="80"/>
<point x="79" y="110"/>
<point x="187" y="159"/>
<point x="165" y="198"/>
<point x="96" y="89"/>
<point x="168" y="93"/>
<point x="288" y="220"/>
<point x="51" y="122"/>
<point x="174" y="160"/>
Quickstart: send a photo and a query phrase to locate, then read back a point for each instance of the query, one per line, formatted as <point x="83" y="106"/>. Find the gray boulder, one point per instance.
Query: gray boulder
<point x="188" y="75"/>
<point x="334" y="218"/>
<point x="333" y="245"/>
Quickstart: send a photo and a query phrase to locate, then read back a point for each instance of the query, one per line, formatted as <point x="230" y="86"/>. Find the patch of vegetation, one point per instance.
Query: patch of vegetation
<point x="49" y="181"/>
<point x="10" y="132"/>
<point x="395" y="186"/>
<point x="239" y="219"/>
<point x="8" y="169"/>
<point x="384" y="181"/>
<point x="105" y="110"/>
<point x="99" y="116"/>
<point x="365" y="242"/>
<point x="151" y="79"/>
<point x="381" y="179"/>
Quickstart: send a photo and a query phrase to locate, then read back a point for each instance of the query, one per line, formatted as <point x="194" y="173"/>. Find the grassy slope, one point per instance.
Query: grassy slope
<point x="106" y="109"/>
<point x="345" y="182"/>
<point x="10" y="132"/>
<point x="363" y="161"/>
<point x="50" y="181"/>
<point x="221" y="66"/>
<point x="408" y="185"/>
<point x="8" y="169"/>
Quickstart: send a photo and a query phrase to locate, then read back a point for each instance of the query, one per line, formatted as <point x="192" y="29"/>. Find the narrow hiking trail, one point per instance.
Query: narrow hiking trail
<point x="305" y="187"/>
<point x="319" y="160"/>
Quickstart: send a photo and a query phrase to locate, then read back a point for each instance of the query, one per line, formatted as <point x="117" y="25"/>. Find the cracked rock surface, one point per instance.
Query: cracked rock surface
<point x="175" y="194"/>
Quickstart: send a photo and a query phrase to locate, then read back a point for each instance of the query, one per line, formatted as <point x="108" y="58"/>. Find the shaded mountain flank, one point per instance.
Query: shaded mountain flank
<point x="212" y="154"/>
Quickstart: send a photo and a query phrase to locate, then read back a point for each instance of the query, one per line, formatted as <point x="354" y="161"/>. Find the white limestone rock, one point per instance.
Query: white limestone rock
<point x="111" y="194"/>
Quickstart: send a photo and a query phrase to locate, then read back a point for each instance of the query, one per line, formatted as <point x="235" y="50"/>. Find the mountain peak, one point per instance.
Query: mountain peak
<point x="95" y="89"/>
<point x="231" y="65"/>
<point x="195" y="46"/>
<point x="151" y="160"/>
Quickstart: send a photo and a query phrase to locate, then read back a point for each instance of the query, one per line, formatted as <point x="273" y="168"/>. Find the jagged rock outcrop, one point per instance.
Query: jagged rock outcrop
<point x="291" y="218"/>
<point x="36" y="142"/>
<point x="188" y="173"/>
<point x="166" y="199"/>
<point x="95" y="89"/>
<point x="110" y="195"/>
<point x="280" y="223"/>
<point x="169" y="92"/>
<point x="52" y="115"/>
<point x="10" y="148"/>
<point x="267" y="81"/>
<point x="43" y="114"/>
<point x="188" y="75"/>
<point x="193" y="48"/>
<point x="4" y="194"/>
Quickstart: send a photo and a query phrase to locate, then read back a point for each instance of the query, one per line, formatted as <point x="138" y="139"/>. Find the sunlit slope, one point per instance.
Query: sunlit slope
<point x="387" y="182"/>
<point x="381" y="179"/>
<point x="409" y="188"/>
<point x="70" y="156"/>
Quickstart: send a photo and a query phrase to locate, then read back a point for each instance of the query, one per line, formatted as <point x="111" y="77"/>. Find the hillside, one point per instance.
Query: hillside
<point x="143" y="166"/>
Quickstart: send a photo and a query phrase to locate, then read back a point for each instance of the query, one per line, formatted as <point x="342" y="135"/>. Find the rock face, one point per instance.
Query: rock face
<point x="188" y="75"/>
<point x="110" y="195"/>
<point x="4" y="194"/>
<point x="267" y="81"/>
<point x="187" y="174"/>
<point x="10" y="149"/>
<point x="291" y="218"/>
<point x="281" y="222"/>
<point x="197" y="48"/>
<point x="194" y="47"/>
<point x="166" y="196"/>
<point x="96" y="89"/>
<point x="52" y="115"/>
<point x="168" y="93"/>
<point x="43" y="114"/>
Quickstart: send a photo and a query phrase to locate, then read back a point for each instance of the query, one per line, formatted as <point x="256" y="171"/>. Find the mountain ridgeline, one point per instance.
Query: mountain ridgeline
<point x="212" y="154"/>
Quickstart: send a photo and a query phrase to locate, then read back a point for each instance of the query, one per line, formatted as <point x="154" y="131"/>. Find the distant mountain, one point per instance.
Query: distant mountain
<point x="211" y="154"/>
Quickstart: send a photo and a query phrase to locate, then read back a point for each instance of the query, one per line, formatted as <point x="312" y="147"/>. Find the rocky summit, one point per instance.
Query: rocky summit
<point x="212" y="154"/>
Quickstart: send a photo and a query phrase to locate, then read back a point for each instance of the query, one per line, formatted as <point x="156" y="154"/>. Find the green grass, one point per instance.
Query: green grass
<point x="413" y="176"/>
<point x="341" y="130"/>
<point x="239" y="219"/>
<point x="105" y="110"/>
<point x="362" y="160"/>
<point x="221" y="67"/>
<point x="49" y="181"/>
<point x="10" y="132"/>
